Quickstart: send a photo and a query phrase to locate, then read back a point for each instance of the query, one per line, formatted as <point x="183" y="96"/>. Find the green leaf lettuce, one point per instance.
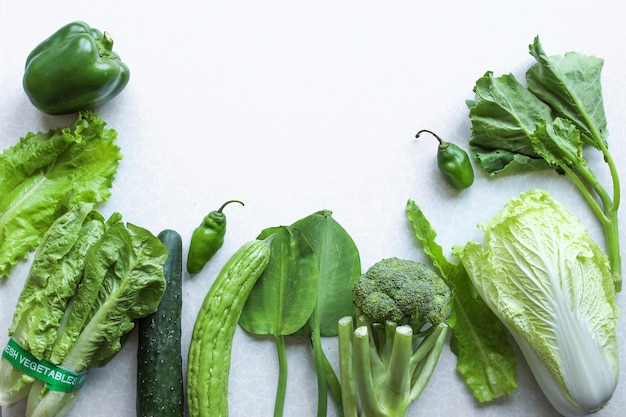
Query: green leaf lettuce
<point x="45" y="174"/>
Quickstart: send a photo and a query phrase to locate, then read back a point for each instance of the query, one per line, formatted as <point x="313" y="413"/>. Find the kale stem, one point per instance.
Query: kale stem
<point x="583" y="177"/>
<point x="614" y="175"/>
<point x="281" y="390"/>
<point x="611" y="230"/>
<point x="582" y="180"/>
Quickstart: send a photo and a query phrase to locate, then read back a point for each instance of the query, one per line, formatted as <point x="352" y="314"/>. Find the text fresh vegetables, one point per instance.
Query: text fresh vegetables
<point x="400" y="332"/>
<point x="74" y="69"/>
<point x="208" y="362"/>
<point x="542" y="274"/>
<point x="45" y="174"/>
<point x="545" y="125"/>
<point x="90" y="280"/>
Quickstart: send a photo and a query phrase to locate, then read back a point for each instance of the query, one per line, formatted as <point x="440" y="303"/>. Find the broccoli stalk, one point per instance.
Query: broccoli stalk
<point x="381" y="367"/>
<point x="387" y="360"/>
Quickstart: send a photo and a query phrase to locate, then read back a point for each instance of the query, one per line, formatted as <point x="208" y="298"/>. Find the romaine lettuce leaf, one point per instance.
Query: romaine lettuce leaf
<point x="486" y="358"/>
<point x="543" y="275"/>
<point x="45" y="174"/>
<point x="56" y="270"/>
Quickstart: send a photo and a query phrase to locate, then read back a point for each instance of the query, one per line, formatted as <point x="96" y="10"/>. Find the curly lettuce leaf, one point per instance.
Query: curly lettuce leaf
<point x="45" y="174"/>
<point x="486" y="359"/>
<point x="542" y="274"/>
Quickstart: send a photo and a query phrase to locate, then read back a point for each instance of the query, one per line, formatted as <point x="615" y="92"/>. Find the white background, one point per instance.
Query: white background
<point x="295" y="106"/>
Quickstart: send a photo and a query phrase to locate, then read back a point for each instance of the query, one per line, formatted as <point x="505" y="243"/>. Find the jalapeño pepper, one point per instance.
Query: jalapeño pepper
<point x="207" y="238"/>
<point x="74" y="69"/>
<point x="453" y="162"/>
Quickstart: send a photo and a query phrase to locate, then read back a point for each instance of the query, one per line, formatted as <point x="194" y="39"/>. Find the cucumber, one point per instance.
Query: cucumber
<point x="210" y="348"/>
<point x="159" y="360"/>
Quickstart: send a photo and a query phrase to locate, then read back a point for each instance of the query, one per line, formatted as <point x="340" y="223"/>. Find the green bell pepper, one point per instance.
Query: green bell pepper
<point x="74" y="69"/>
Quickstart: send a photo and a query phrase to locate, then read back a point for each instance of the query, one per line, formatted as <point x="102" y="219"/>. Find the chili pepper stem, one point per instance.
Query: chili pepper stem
<point x="441" y="141"/>
<point x="227" y="203"/>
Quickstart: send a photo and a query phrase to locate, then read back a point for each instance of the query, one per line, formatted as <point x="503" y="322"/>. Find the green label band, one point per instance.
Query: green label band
<point x="55" y="377"/>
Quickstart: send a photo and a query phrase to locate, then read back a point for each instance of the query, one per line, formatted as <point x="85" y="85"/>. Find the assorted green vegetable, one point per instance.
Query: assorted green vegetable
<point x="207" y="238"/>
<point x="74" y="69"/>
<point x="557" y="301"/>
<point x="453" y="162"/>
<point x="339" y="264"/>
<point x="159" y="353"/>
<point x="485" y="358"/>
<point x="284" y="297"/>
<point x="538" y="277"/>
<point x="208" y="361"/>
<point x="46" y="174"/>
<point x="90" y="280"/>
<point x="386" y="362"/>
<point x="305" y="289"/>
<point x="546" y="125"/>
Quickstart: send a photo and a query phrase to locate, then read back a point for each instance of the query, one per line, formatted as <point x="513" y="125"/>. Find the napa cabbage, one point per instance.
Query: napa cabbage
<point x="550" y="284"/>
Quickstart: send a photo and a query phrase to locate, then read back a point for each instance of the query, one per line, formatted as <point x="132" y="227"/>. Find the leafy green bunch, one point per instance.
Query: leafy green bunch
<point x="90" y="279"/>
<point x="545" y="124"/>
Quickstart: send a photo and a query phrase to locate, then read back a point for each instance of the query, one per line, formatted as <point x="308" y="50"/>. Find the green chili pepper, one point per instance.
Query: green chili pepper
<point x="453" y="162"/>
<point x="74" y="69"/>
<point x="207" y="238"/>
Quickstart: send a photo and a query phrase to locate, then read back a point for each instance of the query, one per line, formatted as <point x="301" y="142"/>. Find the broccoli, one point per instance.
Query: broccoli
<point x="405" y="292"/>
<point x="387" y="360"/>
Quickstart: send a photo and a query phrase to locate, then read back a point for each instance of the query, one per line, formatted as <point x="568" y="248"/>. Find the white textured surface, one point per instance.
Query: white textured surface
<point x="296" y="106"/>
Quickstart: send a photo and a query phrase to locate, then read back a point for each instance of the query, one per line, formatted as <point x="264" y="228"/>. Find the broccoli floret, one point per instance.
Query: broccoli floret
<point x="402" y="291"/>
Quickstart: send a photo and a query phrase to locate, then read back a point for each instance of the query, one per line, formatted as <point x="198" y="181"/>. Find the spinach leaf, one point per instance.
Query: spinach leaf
<point x="283" y="297"/>
<point x="339" y="266"/>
